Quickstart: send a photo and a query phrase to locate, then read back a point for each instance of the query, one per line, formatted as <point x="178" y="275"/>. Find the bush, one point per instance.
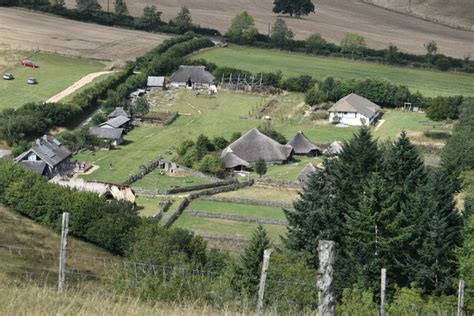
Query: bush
<point x="315" y="96"/>
<point x="301" y="83"/>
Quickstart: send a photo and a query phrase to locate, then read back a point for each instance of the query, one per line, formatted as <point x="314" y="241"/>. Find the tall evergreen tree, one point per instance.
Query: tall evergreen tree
<point x="435" y="264"/>
<point x="247" y="270"/>
<point x="183" y="20"/>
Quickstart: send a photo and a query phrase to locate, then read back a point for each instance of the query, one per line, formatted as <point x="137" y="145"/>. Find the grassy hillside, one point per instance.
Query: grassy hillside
<point x="55" y="74"/>
<point x="428" y="82"/>
<point x="29" y="252"/>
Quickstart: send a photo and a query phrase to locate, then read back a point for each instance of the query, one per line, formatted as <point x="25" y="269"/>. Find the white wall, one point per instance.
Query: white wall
<point x="350" y="118"/>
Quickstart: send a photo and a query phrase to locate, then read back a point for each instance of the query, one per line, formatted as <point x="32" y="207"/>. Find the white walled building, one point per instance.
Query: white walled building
<point x="354" y="110"/>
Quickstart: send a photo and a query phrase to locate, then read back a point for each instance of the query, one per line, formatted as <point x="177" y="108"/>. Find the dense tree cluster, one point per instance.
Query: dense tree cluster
<point x="293" y="7"/>
<point x="384" y="209"/>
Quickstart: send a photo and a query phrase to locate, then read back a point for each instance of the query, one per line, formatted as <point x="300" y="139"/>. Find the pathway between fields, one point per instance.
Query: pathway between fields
<point x="77" y="85"/>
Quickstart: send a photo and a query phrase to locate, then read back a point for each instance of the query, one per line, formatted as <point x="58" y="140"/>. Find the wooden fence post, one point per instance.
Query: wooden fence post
<point x="263" y="279"/>
<point x="383" y="281"/>
<point x="461" y="298"/>
<point x="62" y="252"/>
<point x="326" y="298"/>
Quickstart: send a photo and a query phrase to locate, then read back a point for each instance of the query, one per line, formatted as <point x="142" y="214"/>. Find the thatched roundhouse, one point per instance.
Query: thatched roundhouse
<point x="303" y="146"/>
<point x="306" y="172"/>
<point x="334" y="149"/>
<point x="254" y="145"/>
<point x="232" y="161"/>
<point x="192" y="76"/>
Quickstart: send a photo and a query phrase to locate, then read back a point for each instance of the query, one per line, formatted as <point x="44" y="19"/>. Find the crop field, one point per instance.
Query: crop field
<point x="428" y="82"/>
<point x="55" y="73"/>
<point x="333" y="19"/>
<point x="27" y="30"/>
<point x="223" y="115"/>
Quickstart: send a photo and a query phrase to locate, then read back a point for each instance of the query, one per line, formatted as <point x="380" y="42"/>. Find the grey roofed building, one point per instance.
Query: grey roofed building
<point x="335" y="148"/>
<point x="303" y="146"/>
<point x="47" y="150"/>
<point x="155" y="82"/>
<point x="118" y="111"/>
<point x="355" y="103"/>
<point x="195" y="74"/>
<point x="254" y="145"/>
<point x="116" y="122"/>
<point x="106" y="133"/>
<point x="307" y="170"/>
<point x="232" y="161"/>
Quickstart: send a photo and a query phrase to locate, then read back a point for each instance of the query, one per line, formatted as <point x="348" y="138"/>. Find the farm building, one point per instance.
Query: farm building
<point x="192" y="76"/>
<point x="155" y="82"/>
<point x="232" y="161"/>
<point x="112" y="135"/>
<point x="254" y="145"/>
<point x="334" y="149"/>
<point x="118" y="111"/>
<point x="47" y="157"/>
<point x="116" y="122"/>
<point x="306" y="172"/>
<point x="354" y="110"/>
<point x="303" y="146"/>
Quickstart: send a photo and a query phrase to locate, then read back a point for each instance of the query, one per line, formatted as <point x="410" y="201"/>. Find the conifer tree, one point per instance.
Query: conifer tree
<point x="435" y="264"/>
<point x="121" y="7"/>
<point x="183" y="20"/>
<point x="247" y="270"/>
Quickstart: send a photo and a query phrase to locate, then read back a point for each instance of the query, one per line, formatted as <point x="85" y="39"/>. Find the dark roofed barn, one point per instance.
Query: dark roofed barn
<point x="192" y="76"/>
<point x="114" y="135"/>
<point x="116" y="122"/>
<point x="47" y="157"/>
<point x="118" y="111"/>
<point x="303" y="146"/>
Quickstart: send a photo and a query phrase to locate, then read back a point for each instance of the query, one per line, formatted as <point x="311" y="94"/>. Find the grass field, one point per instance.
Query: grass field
<point x="216" y="207"/>
<point x="263" y="193"/>
<point x="35" y="252"/>
<point x="55" y="74"/>
<point x="221" y="228"/>
<point x="96" y="80"/>
<point x="154" y="180"/>
<point x="428" y="82"/>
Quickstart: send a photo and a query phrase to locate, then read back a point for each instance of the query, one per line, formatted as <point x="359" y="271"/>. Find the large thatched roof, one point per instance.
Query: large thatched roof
<point x="254" y="145"/>
<point x="197" y="74"/>
<point x="356" y="104"/>
<point x="231" y="161"/>
<point x="302" y="145"/>
<point x="307" y="170"/>
<point x="335" y="148"/>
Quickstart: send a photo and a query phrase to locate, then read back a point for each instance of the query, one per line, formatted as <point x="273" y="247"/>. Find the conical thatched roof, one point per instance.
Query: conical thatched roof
<point x="197" y="74"/>
<point x="255" y="145"/>
<point x="302" y="145"/>
<point x="333" y="149"/>
<point x="308" y="169"/>
<point x="231" y="161"/>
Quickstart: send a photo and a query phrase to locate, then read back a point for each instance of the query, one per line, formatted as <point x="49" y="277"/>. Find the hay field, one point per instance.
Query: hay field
<point x="333" y="20"/>
<point x="25" y="30"/>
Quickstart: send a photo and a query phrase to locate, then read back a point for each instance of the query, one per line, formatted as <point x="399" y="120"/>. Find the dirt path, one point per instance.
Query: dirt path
<point x="77" y="85"/>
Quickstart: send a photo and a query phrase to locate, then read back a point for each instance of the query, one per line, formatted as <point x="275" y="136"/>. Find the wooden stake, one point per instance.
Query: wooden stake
<point x="326" y="297"/>
<point x="383" y="281"/>
<point x="263" y="279"/>
<point x="461" y="298"/>
<point x="62" y="252"/>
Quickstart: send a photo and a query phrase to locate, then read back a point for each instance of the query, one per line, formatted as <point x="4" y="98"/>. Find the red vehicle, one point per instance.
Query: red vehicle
<point x="29" y="63"/>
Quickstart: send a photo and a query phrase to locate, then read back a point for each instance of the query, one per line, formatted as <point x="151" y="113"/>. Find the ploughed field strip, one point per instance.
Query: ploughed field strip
<point x="428" y="82"/>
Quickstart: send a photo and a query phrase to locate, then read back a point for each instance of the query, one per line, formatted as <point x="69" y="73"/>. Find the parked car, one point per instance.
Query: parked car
<point x="29" y="63"/>
<point x="8" y="76"/>
<point x="31" y="81"/>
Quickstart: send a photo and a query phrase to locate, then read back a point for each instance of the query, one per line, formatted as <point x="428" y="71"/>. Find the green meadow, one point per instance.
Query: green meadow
<point x="428" y="82"/>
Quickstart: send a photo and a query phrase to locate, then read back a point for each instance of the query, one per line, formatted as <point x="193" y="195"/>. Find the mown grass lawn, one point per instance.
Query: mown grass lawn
<point x="212" y="227"/>
<point x="155" y="180"/>
<point x="263" y="193"/>
<point x="55" y="74"/>
<point x="216" y="207"/>
<point x="428" y="82"/>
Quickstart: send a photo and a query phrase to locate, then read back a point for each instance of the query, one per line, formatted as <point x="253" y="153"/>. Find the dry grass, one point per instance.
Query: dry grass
<point x="25" y="30"/>
<point x="44" y="301"/>
<point x="333" y="20"/>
